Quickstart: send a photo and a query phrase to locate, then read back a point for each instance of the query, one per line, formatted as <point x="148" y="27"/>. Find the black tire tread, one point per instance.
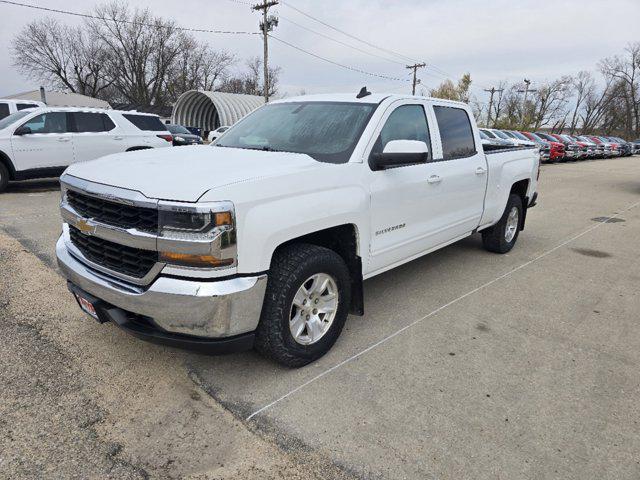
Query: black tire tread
<point x="493" y="238"/>
<point x="284" y="273"/>
<point x="4" y="178"/>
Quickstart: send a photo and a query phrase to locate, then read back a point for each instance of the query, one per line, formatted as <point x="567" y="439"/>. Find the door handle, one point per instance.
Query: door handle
<point x="481" y="171"/>
<point x="434" y="179"/>
<point x="64" y="139"/>
<point x="118" y="138"/>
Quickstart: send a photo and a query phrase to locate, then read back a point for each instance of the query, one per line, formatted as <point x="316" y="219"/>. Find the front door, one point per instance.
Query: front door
<point x="402" y="198"/>
<point x="48" y="145"/>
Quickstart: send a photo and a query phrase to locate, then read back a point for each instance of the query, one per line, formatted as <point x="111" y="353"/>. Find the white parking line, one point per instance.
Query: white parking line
<point x="437" y="310"/>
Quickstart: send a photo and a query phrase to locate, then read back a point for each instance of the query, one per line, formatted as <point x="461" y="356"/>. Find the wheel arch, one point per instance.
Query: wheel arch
<point x="520" y="188"/>
<point x="344" y="240"/>
<point x="6" y="161"/>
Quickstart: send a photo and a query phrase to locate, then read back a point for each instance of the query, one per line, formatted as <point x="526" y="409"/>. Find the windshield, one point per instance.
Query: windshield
<point x="537" y="137"/>
<point x="14" y="117"/>
<point x="547" y="137"/>
<point x="488" y="133"/>
<point x="508" y="134"/>
<point x="326" y="131"/>
<point x="483" y="135"/>
<point x="521" y="136"/>
<point x="178" y="129"/>
<point x="500" y="134"/>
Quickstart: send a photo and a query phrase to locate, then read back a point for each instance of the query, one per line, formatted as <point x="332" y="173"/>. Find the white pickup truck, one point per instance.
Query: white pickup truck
<point x="264" y="238"/>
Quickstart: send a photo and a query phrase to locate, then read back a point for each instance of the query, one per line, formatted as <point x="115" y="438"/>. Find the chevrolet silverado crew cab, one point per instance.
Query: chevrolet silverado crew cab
<point x="264" y="239"/>
<point x="42" y="142"/>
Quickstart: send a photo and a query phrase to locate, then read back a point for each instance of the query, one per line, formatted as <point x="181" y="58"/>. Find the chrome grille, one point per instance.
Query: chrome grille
<point x="130" y="261"/>
<point x="114" y="213"/>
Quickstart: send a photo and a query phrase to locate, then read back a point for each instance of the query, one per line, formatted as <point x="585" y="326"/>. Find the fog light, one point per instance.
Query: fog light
<point x="187" y="260"/>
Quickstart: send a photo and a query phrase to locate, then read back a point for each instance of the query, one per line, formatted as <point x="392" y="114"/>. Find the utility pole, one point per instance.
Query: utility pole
<point x="492" y="91"/>
<point x="415" y="68"/>
<point x="267" y="24"/>
<point x="526" y="91"/>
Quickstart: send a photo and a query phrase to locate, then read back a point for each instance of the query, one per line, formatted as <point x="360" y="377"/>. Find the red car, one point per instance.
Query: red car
<point x="556" y="152"/>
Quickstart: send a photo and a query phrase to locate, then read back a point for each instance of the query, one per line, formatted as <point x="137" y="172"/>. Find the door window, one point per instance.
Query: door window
<point x="24" y="106"/>
<point x="52" y="122"/>
<point x="92" y="122"/>
<point x="455" y="132"/>
<point x="407" y="122"/>
<point x="148" y="123"/>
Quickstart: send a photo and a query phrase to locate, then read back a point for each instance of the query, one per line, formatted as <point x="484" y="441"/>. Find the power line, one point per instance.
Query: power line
<point x="353" y="69"/>
<point x="340" y="42"/>
<point x="347" y="33"/>
<point x="96" y="17"/>
<point x="200" y="30"/>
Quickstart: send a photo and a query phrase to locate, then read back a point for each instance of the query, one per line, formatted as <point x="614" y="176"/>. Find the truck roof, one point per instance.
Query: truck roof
<point x="374" y="98"/>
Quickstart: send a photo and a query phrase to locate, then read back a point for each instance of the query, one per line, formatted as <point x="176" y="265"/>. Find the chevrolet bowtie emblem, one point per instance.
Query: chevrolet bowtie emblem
<point x="85" y="227"/>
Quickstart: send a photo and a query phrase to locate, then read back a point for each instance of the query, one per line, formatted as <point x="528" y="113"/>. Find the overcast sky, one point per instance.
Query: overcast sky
<point x="493" y="40"/>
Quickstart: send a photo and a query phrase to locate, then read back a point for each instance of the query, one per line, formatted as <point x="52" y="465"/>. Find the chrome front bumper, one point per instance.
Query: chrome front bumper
<point x="212" y="309"/>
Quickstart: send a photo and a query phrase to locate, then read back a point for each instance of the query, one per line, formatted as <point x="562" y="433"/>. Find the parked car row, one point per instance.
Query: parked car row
<point x="40" y="142"/>
<point x="556" y="147"/>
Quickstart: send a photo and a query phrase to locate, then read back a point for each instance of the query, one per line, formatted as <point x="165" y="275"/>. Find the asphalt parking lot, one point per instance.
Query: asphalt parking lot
<point x="466" y="364"/>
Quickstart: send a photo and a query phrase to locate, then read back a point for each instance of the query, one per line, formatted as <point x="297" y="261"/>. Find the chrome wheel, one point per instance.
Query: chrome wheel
<point x="314" y="308"/>
<point x="511" y="227"/>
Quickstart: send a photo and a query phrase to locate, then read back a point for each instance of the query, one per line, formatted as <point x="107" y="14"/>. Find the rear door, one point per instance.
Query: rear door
<point x="95" y="135"/>
<point x="146" y="131"/>
<point x="48" y="145"/>
<point x="462" y="174"/>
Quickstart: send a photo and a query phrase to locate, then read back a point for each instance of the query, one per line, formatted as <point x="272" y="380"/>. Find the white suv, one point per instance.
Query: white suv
<point x="7" y="107"/>
<point x="42" y="142"/>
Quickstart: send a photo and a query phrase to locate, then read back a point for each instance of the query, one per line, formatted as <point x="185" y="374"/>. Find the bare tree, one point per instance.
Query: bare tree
<point x="61" y="57"/>
<point x="197" y="67"/>
<point x="250" y="81"/>
<point x="626" y="69"/>
<point x="583" y="86"/>
<point x="549" y="103"/>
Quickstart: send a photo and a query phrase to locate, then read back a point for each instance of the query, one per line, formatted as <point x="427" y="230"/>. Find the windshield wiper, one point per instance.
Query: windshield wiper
<point x="265" y="148"/>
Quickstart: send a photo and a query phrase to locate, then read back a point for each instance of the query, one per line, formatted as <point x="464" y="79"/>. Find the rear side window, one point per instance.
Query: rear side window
<point x="4" y="110"/>
<point x="407" y="122"/>
<point x="92" y="122"/>
<point x="146" y="122"/>
<point x="455" y="132"/>
<point x="24" y="106"/>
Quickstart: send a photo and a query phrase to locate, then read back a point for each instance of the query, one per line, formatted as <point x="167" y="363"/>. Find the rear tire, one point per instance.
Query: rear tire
<point x="4" y="178"/>
<point x="503" y="235"/>
<point x="292" y="268"/>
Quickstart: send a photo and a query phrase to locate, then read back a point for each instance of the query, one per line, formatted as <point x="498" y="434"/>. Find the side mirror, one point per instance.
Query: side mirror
<point x="400" y="153"/>
<point x="22" y="131"/>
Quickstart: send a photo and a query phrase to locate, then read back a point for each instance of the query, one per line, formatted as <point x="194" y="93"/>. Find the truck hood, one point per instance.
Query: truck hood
<point x="187" y="173"/>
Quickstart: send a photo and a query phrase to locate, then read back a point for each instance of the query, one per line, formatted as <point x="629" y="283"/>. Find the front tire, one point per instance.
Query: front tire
<point x="503" y="235"/>
<point x="306" y="304"/>
<point x="4" y="178"/>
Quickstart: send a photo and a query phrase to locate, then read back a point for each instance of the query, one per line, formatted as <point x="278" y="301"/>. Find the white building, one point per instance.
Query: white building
<point x="63" y="99"/>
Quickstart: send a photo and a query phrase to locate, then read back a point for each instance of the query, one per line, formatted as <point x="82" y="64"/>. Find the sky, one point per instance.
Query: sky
<point x="492" y="40"/>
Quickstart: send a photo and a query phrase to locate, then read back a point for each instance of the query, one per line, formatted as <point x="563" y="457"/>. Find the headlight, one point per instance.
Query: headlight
<point x="179" y="139"/>
<point x="200" y="235"/>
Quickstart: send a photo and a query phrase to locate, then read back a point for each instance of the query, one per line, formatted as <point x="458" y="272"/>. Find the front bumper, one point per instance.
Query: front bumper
<point x="145" y="329"/>
<point x="206" y="309"/>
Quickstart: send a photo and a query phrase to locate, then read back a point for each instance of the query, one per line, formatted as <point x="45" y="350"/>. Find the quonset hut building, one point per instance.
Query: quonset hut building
<point x="210" y="110"/>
